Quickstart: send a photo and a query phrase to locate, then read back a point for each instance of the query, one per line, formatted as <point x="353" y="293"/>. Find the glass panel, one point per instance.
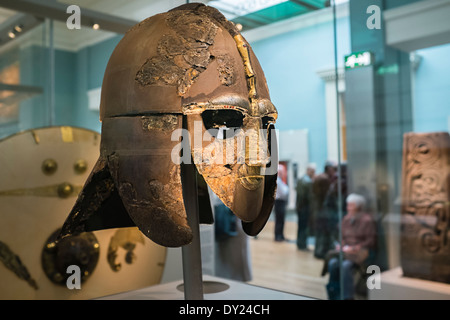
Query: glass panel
<point x="23" y="72"/>
<point x="361" y="87"/>
<point x="307" y="88"/>
<point x="283" y="35"/>
<point x="394" y="91"/>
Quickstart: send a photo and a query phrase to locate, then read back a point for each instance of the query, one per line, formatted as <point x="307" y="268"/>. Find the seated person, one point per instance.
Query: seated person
<point x="358" y="241"/>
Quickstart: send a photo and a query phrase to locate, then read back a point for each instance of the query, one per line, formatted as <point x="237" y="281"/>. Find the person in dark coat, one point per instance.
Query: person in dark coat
<point x="304" y="206"/>
<point x="320" y="188"/>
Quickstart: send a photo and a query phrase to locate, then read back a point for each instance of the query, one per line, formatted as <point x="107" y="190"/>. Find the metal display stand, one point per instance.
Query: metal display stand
<point x="191" y="253"/>
<point x="193" y="285"/>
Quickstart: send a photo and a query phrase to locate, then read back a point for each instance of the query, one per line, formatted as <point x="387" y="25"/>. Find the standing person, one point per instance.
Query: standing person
<point x="304" y="205"/>
<point x="331" y="203"/>
<point x="320" y="187"/>
<point x="281" y="198"/>
<point x="358" y="244"/>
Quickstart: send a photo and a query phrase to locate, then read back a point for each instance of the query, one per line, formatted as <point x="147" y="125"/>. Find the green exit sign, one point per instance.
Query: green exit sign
<point x="358" y="59"/>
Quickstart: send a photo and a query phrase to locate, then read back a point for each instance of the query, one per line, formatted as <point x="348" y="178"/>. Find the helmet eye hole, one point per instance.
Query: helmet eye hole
<point x="222" y="124"/>
<point x="214" y="119"/>
<point x="267" y="121"/>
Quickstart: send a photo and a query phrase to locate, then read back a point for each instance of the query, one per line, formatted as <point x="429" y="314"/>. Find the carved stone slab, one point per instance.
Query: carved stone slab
<point x="425" y="235"/>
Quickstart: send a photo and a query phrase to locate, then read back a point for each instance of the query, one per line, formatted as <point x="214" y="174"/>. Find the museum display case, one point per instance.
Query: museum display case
<point x="288" y="109"/>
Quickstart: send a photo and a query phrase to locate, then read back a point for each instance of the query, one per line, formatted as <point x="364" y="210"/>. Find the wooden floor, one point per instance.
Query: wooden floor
<point x="281" y="266"/>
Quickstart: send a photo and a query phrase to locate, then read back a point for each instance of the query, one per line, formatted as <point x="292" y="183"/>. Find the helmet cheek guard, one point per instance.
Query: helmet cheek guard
<point x="185" y="74"/>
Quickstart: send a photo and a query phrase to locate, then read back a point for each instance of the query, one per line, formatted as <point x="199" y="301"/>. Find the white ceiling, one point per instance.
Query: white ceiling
<point x="137" y="10"/>
<point x="133" y="9"/>
<point x="74" y="40"/>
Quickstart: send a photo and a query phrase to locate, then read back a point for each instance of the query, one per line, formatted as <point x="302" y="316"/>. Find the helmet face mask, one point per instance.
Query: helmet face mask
<point x="188" y="70"/>
<point x="231" y="151"/>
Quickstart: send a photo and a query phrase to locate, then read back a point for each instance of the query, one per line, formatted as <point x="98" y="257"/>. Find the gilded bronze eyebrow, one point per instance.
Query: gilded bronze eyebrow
<point x="233" y="102"/>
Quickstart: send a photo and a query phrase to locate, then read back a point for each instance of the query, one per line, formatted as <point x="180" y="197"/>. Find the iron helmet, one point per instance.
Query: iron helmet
<point x="180" y="86"/>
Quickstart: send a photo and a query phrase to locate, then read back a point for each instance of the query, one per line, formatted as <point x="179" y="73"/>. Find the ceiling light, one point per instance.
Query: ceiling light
<point x="11" y="34"/>
<point x="95" y="26"/>
<point x="18" y="28"/>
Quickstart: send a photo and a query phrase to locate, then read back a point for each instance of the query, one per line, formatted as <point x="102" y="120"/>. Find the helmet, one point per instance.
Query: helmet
<point x="180" y="86"/>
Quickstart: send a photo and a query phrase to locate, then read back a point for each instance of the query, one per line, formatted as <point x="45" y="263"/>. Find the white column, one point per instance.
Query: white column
<point x="329" y="76"/>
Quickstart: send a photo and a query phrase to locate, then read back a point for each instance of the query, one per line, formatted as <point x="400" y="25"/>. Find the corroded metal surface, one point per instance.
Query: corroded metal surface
<point x="13" y="262"/>
<point x="425" y="237"/>
<point x="186" y="69"/>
